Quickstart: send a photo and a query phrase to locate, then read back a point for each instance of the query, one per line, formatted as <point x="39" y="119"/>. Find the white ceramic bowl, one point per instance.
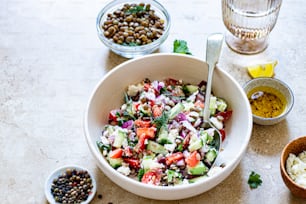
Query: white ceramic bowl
<point x="133" y="51"/>
<point x="59" y="171"/>
<point x="108" y="95"/>
<point x="279" y="85"/>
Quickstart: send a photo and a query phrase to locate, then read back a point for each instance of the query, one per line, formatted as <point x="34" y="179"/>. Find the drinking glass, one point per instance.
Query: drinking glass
<point x="249" y="23"/>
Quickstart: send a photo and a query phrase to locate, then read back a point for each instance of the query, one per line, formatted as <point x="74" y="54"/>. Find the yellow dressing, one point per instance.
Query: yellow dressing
<point x="266" y="102"/>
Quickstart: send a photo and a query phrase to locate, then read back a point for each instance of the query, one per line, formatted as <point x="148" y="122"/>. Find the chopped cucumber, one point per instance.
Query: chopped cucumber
<point x="213" y="105"/>
<point x="176" y="110"/>
<point x="206" y="137"/>
<point x="115" y="163"/>
<point x="189" y="89"/>
<point x="211" y="155"/>
<point x="163" y="136"/>
<point x="221" y="105"/>
<point x="119" y="138"/>
<point x="199" y="169"/>
<point x="195" y="143"/>
<point x="149" y="162"/>
<point x="156" y="148"/>
<point x="174" y="177"/>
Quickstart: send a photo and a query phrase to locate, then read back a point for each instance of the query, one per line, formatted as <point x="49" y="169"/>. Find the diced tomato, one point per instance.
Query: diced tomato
<point x="146" y="86"/>
<point x="193" y="160"/>
<point x="133" y="163"/>
<point x="113" y="115"/>
<point x="143" y="134"/>
<point x="142" y="123"/>
<point x="136" y="106"/>
<point x="173" y="158"/>
<point x="151" y="103"/>
<point x="157" y="111"/>
<point x="141" y="143"/>
<point x="152" y="177"/>
<point x="223" y="134"/>
<point x="226" y="115"/>
<point x="117" y="153"/>
<point x="172" y="82"/>
<point x="199" y="104"/>
<point x="149" y="132"/>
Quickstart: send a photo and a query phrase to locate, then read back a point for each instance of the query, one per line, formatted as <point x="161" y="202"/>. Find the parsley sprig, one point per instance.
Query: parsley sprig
<point x="180" y="46"/>
<point x="254" y="180"/>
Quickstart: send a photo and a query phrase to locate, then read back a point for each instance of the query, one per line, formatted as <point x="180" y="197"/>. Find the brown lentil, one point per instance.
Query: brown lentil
<point x="72" y="186"/>
<point x="133" y="25"/>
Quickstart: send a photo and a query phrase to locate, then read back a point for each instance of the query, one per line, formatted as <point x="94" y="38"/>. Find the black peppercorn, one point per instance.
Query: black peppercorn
<point x="72" y="186"/>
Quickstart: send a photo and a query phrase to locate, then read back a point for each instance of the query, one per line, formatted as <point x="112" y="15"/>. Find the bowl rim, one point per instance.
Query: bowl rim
<point x="153" y="45"/>
<point x="98" y="155"/>
<point x="283" y="163"/>
<point x="282" y="83"/>
<point x="58" y="171"/>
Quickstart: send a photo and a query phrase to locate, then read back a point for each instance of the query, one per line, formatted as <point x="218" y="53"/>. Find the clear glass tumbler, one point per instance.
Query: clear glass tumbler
<point x="249" y="23"/>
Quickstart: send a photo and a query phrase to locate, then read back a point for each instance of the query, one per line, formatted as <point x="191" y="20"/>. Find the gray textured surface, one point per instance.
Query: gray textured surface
<point x="51" y="58"/>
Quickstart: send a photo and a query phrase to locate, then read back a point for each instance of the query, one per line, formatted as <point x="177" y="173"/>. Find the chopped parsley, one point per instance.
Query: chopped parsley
<point x="254" y="180"/>
<point x="180" y="46"/>
<point x="161" y="121"/>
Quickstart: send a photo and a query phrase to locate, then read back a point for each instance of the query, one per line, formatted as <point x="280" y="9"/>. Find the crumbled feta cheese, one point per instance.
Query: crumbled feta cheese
<point x="170" y="147"/>
<point x="104" y="140"/>
<point x="296" y="168"/>
<point x="173" y="134"/>
<point x="125" y="170"/>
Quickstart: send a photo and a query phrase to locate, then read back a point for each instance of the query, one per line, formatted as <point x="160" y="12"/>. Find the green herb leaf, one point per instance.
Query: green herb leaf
<point x="102" y="146"/>
<point x="135" y="9"/>
<point x="140" y="174"/>
<point x="161" y="120"/>
<point x="180" y="46"/>
<point x="254" y="180"/>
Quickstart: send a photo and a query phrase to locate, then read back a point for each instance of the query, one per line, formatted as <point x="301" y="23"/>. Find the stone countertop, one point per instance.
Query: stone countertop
<point x="51" y="58"/>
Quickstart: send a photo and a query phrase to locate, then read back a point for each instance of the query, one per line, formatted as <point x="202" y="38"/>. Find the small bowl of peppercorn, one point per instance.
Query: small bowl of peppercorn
<point x="271" y="100"/>
<point x="133" y="28"/>
<point x="70" y="184"/>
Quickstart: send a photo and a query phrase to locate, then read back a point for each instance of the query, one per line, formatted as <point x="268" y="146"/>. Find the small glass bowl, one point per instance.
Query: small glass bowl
<point x="278" y="85"/>
<point x="60" y="171"/>
<point x="133" y="51"/>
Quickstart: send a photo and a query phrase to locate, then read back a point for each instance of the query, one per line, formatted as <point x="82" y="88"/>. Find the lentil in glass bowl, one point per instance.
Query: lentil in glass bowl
<point x="133" y="28"/>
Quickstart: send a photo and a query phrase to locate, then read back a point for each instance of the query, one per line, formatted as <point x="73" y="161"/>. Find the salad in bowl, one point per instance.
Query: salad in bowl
<point x="158" y="136"/>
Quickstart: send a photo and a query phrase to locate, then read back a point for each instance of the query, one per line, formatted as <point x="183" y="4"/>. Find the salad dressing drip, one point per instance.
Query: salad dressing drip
<point x="266" y="102"/>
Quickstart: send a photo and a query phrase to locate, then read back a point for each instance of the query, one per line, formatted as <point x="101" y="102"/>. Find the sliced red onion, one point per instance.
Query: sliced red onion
<point x="180" y="162"/>
<point x="160" y="85"/>
<point x="183" y="133"/>
<point x="197" y="122"/>
<point x="188" y="125"/>
<point x="180" y="117"/>
<point x="128" y="124"/>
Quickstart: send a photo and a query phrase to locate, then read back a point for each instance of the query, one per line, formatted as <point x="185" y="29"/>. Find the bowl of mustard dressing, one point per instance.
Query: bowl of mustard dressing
<point x="270" y="99"/>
